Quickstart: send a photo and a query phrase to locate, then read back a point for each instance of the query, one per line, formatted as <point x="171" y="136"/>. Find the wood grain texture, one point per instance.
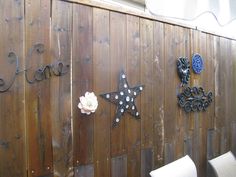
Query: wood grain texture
<point x="217" y="83"/>
<point x="213" y="144"/>
<point x="133" y="126"/>
<point x="229" y="117"/>
<point x="118" y="56"/>
<point x="146" y="49"/>
<point x="222" y="97"/>
<point x="223" y="140"/>
<point x="170" y="73"/>
<point x="220" y="82"/>
<point x="182" y="48"/>
<point x="37" y="95"/>
<point x="169" y="155"/>
<point x="146" y="162"/>
<point x="170" y="104"/>
<point x="82" y="68"/>
<point x="233" y="121"/>
<point x="231" y="90"/>
<point x="50" y="137"/>
<point x="233" y="56"/>
<point x="186" y="127"/>
<point x="61" y="37"/>
<point x="198" y="45"/>
<point x="188" y="146"/>
<point x="158" y="92"/>
<point x="119" y="166"/>
<point x="233" y="138"/>
<point x="12" y="103"/>
<point x="209" y="65"/>
<point x="102" y="123"/>
<point x="84" y="171"/>
<point x="212" y="149"/>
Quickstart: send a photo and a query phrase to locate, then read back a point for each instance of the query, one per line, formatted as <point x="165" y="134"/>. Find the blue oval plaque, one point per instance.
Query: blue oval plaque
<point x="197" y="63"/>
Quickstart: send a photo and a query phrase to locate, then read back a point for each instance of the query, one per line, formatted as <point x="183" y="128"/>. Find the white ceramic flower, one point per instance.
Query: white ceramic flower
<point x="88" y="103"/>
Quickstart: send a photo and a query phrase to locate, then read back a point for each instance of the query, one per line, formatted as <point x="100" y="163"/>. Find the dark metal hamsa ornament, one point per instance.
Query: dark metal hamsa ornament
<point x="183" y="68"/>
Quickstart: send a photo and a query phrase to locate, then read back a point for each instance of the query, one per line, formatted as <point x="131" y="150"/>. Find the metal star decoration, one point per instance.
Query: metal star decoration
<point x="124" y="98"/>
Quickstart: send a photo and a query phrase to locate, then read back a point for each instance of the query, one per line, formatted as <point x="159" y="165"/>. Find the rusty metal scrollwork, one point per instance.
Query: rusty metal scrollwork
<point x="3" y="86"/>
<point x="194" y="99"/>
<point x="45" y="72"/>
<point x="58" y="68"/>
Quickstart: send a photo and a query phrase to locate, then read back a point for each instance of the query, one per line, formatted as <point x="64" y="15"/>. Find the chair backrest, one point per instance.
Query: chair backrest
<point x="224" y="165"/>
<point x="183" y="167"/>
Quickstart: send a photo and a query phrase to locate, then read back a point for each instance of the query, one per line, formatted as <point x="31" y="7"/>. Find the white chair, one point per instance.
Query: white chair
<point x="224" y="165"/>
<point x="183" y="167"/>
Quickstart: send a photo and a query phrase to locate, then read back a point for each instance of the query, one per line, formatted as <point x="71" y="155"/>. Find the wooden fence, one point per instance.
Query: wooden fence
<point x="43" y="133"/>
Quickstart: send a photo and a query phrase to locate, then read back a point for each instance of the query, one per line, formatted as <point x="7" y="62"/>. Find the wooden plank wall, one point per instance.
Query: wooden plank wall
<point x="12" y="103"/>
<point x="37" y="102"/>
<point x="43" y="133"/>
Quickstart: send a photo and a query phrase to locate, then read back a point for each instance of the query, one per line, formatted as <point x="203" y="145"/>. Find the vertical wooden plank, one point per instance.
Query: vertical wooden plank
<point x="12" y="102"/>
<point x="146" y="44"/>
<point x="119" y="166"/>
<point x="61" y="31"/>
<point x="118" y="62"/>
<point x="169" y="150"/>
<point x="191" y="83"/>
<point x="170" y="86"/>
<point x="133" y="126"/>
<point x="102" y="123"/>
<point x="84" y="171"/>
<point x="220" y="83"/>
<point x="178" y="137"/>
<point x="188" y="146"/>
<point x="146" y="161"/>
<point x="210" y="150"/>
<point x="204" y="115"/>
<point x="213" y="144"/>
<point x="219" y="108"/>
<point x="213" y="149"/>
<point x="209" y="63"/>
<point x="233" y="56"/>
<point x="37" y="95"/>
<point x="195" y="117"/>
<point x="82" y="63"/>
<point x="223" y="140"/>
<point x="182" y="49"/>
<point x="224" y="98"/>
<point x="199" y="45"/>
<point x="229" y="116"/>
<point x="186" y="127"/>
<point x="232" y="94"/>
<point x="217" y="83"/>
<point x="196" y="141"/>
<point x="233" y="121"/>
<point x="233" y="138"/>
<point x="222" y="95"/>
<point x="194" y="45"/>
<point x="215" y="67"/>
<point x="217" y="119"/>
<point x="158" y="93"/>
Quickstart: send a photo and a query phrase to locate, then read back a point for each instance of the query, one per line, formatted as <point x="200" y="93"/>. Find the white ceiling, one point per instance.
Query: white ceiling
<point x="218" y="16"/>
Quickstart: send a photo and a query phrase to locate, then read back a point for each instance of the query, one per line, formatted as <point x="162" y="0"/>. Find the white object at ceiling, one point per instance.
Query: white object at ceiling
<point x="218" y="16"/>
